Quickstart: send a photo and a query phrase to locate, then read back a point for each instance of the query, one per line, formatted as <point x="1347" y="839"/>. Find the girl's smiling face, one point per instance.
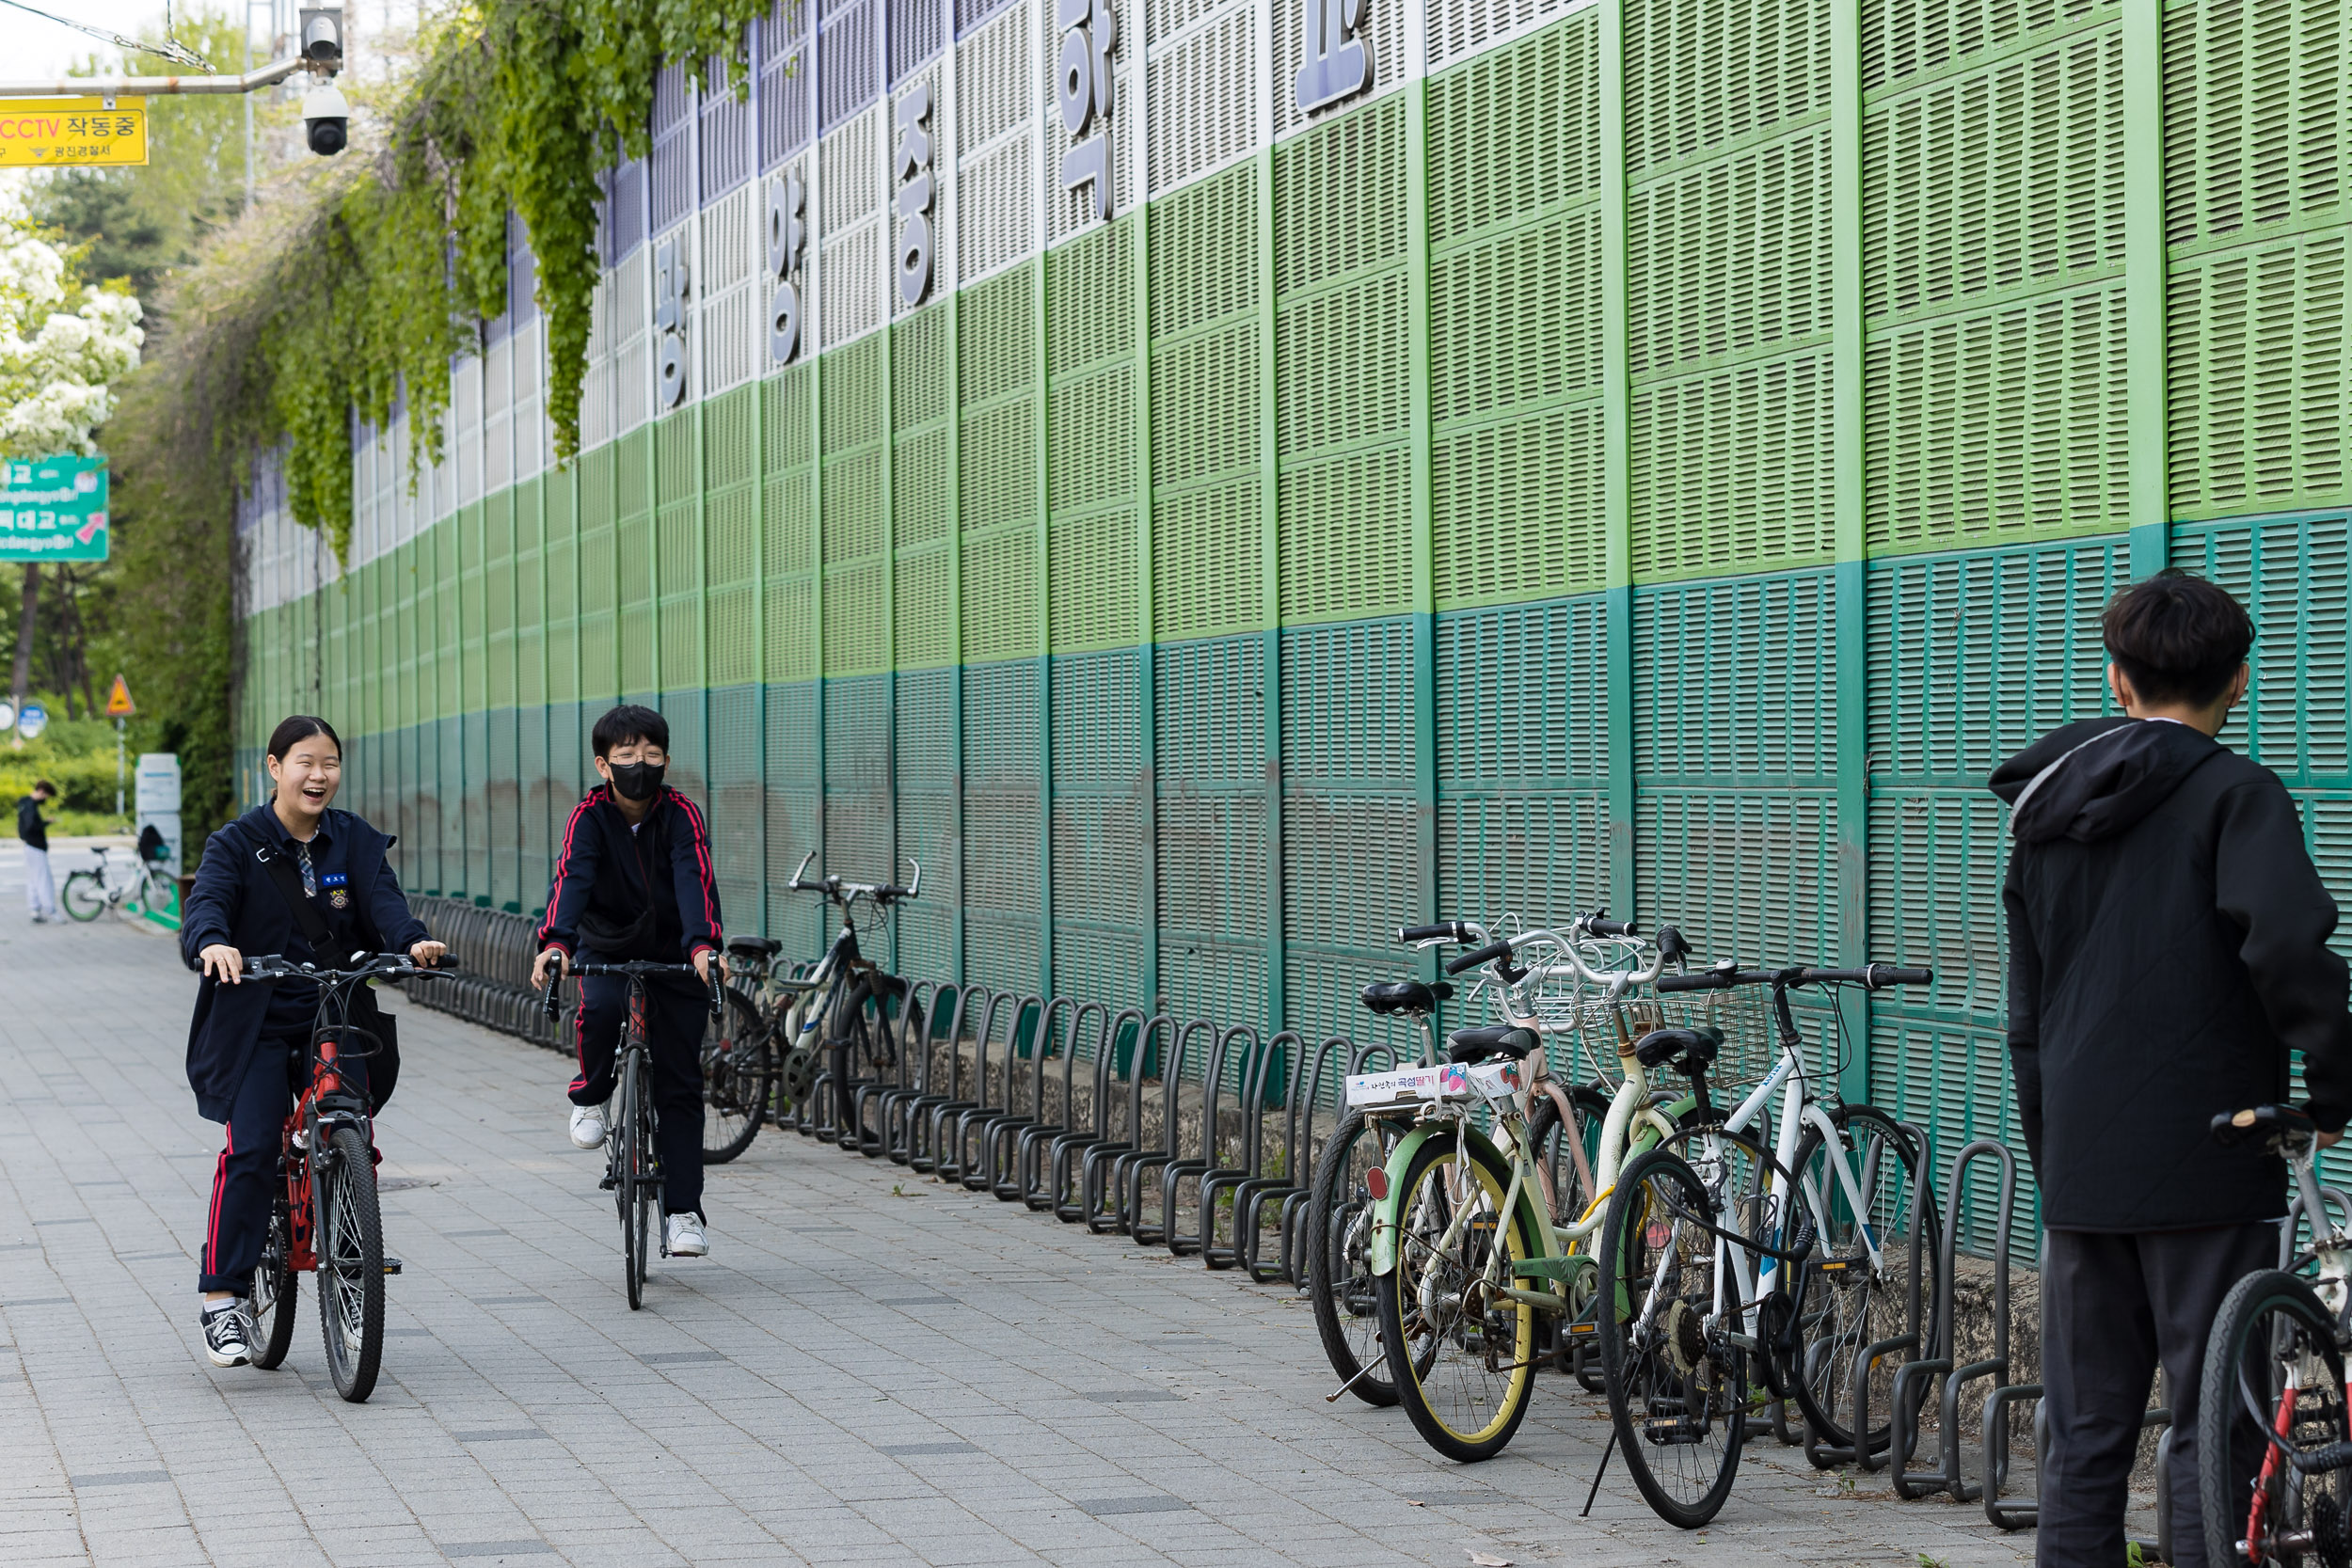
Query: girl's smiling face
<point x="307" y="776"/>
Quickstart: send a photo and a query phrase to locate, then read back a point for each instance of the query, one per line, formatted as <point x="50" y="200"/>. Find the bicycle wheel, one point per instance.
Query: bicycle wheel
<point x="738" y="1069"/>
<point x="1570" y="1192"/>
<point x="629" y="1129"/>
<point x="1463" y="1360"/>
<point x="275" y="1293"/>
<point x="1848" y="1304"/>
<point x="1338" y="1242"/>
<point x="1677" y="1390"/>
<point x="2272" y="1388"/>
<point x="351" y="1264"/>
<point x="83" y="895"/>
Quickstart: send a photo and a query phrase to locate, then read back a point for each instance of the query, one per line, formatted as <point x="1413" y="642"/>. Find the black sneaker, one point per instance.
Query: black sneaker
<point x="228" y="1333"/>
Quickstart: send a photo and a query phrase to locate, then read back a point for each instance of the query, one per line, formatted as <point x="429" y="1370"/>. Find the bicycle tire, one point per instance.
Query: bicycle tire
<point x="1464" y="1405"/>
<point x="351" y="1264"/>
<point x="1663" y="1373"/>
<point x="2265" y="1317"/>
<point x="275" y="1293"/>
<point x="631" y="1131"/>
<point x="1340" y="1284"/>
<point x="83" y="896"/>
<point x="739" y="1074"/>
<point x="1848" y="1309"/>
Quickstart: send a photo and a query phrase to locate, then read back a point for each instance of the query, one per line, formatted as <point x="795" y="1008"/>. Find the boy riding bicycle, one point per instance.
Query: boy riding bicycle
<point x="633" y="881"/>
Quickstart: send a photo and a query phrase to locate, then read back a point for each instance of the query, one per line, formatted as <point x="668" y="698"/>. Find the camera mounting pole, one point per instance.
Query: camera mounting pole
<point x="154" y="86"/>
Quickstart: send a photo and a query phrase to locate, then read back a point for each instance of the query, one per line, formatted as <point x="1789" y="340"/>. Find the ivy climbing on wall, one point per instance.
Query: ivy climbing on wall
<point x="401" y="247"/>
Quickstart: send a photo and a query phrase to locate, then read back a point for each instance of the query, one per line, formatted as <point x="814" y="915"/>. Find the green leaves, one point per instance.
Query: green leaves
<point x="521" y="105"/>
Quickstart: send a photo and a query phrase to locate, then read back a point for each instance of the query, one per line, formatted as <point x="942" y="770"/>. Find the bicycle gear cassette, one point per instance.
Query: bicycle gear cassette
<point x="2331" y="1542"/>
<point x="1682" y="1338"/>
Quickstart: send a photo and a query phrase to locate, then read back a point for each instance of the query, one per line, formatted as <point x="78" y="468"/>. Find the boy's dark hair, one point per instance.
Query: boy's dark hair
<point x="2177" y="637"/>
<point x="629" y="723"/>
<point x="291" y="732"/>
<point x="42" y="786"/>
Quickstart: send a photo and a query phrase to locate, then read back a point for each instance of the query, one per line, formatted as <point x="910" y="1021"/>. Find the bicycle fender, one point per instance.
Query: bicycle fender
<point x="1480" y="1149"/>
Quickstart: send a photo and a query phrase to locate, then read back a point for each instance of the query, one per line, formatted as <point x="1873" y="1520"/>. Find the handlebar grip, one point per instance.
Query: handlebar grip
<point x="718" y="997"/>
<point x="1613" y="927"/>
<point x="1885" y="974"/>
<point x="1444" y="930"/>
<point x="554" y="1004"/>
<point x="1471" y="960"/>
<point x="1705" y="979"/>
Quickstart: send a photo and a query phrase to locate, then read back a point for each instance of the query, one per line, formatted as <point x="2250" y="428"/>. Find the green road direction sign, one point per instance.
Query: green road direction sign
<point x="53" y="509"/>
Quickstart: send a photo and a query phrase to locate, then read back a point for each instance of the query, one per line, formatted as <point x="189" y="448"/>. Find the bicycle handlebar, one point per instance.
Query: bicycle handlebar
<point x="638" y="969"/>
<point x="379" y="966"/>
<point x="1582" y="927"/>
<point x="1870" y="977"/>
<point x="1444" y="930"/>
<point x="832" y="886"/>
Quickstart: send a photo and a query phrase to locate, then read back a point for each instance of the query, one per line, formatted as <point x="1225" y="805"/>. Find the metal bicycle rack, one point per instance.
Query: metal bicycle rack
<point x="1298" y="1150"/>
<point x="971" y="1143"/>
<point x="922" y="1150"/>
<point x="900" y="1107"/>
<point x="948" y="1121"/>
<point x="1242" y="1193"/>
<point x="1101" y="1189"/>
<point x="1134" y="1170"/>
<point x="1080" y="1158"/>
<point x="999" y="1173"/>
<point x="1031" y="1166"/>
<point x="892" y="1005"/>
<point x="1925" y="1333"/>
<point x="1198" y="1170"/>
<point x="1915" y="1380"/>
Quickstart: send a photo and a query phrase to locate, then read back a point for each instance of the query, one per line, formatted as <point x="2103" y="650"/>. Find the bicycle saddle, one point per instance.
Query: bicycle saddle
<point x="2274" y="1121"/>
<point x="1404" y="996"/>
<point x="1470" y="1046"/>
<point x="766" y="947"/>
<point x="1688" y="1050"/>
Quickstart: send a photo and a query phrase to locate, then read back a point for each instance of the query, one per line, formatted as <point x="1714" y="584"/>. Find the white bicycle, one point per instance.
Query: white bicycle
<point x="1714" y="1252"/>
<point x="130" y="890"/>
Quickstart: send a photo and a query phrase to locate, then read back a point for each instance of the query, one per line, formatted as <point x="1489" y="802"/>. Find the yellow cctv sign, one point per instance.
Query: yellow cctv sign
<point x="48" y="132"/>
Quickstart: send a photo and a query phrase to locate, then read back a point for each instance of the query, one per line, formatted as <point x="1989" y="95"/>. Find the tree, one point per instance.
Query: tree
<point x="62" y="349"/>
<point x="116" y="236"/>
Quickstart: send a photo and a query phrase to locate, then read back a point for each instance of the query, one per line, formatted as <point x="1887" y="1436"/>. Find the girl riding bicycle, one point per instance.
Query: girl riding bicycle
<point x="288" y="866"/>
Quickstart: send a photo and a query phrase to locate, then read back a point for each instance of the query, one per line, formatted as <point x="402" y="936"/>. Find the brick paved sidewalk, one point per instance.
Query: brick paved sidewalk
<point x="870" y="1367"/>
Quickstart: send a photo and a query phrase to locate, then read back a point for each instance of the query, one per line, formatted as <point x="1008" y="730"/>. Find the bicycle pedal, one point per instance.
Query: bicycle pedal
<point x="608" y="1184"/>
<point x="391" y="1265"/>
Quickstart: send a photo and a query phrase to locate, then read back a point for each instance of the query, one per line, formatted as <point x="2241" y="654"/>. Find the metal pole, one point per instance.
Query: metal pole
<point x="119" y="723"/>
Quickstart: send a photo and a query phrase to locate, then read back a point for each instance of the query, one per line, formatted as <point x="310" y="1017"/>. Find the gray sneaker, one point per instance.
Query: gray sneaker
<point x="228" y="1333"/>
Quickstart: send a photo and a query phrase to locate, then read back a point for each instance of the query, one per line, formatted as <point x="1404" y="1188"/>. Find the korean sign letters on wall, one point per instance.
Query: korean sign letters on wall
<point x="1082" y="87"/>
<point x="913" y="167"/>
<point x="668" y="323"/>
<point x="787" y="239"/>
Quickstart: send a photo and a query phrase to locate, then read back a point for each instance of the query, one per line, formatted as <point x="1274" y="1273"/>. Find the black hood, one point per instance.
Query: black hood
<point x="2098" y="778"/>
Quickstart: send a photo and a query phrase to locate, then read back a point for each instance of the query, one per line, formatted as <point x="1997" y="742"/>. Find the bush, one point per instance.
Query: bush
<point x="76" y="755"/>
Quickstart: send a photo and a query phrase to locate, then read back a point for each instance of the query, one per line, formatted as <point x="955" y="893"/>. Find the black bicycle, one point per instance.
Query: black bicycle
<point x="326" y="1218"/>
<point x="632" y="1160"/>
<point x="844" y="1010"/>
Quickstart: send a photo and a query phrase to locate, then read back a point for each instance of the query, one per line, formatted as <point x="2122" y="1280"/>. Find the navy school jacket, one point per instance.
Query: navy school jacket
<point x="235" y="901"/>
<point x="607" y="880"/>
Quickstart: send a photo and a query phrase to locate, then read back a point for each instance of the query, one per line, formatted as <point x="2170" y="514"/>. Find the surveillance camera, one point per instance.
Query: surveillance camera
<point x="324" y="117"/>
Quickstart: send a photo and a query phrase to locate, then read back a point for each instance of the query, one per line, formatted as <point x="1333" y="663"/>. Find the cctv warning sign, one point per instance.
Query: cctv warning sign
<point x="54" y="132"/>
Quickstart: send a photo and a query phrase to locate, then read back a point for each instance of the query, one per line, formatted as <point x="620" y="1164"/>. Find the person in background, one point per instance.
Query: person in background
<point x="2167" y="946"/>
<point x="41" y="888"/>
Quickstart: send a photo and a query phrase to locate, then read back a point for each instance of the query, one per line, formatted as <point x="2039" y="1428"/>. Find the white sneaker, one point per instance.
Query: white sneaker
<point x="587" y="1127"/>
<point x="684" y="1234"/>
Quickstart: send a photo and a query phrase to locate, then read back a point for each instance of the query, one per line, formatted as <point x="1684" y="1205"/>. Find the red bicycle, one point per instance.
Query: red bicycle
<point x="326" y="1221"/>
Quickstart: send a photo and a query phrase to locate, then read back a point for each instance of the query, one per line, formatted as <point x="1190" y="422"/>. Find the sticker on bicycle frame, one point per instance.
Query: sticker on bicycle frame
<point x="1497" y="1081"/>
<point x="1453" y="1080"/>
<point x="1387" y="1088"/>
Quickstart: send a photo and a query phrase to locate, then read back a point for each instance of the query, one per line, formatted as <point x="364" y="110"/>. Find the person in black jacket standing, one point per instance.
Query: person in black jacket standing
<point x="2167" y="948"/>
<point x="246" y="1044"/>
<point x="633" y="881"/>
<point x="32" y="830"/>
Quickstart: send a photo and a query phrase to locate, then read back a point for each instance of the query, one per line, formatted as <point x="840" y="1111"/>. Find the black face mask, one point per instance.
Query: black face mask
<point x="636" y="781"/>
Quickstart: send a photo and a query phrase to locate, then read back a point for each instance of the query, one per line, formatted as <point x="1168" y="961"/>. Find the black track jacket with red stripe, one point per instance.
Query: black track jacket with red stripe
<point x="604" y="875"/>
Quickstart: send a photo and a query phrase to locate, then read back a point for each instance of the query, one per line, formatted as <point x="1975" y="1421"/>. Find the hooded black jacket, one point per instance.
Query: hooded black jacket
<point x="2167" y="946"/>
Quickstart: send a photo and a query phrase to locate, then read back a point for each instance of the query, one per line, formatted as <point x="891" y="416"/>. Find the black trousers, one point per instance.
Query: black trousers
<point x="247" y="1180"/>
<point x="2114" y="1307"/>
<point x="674" y="1016"/>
